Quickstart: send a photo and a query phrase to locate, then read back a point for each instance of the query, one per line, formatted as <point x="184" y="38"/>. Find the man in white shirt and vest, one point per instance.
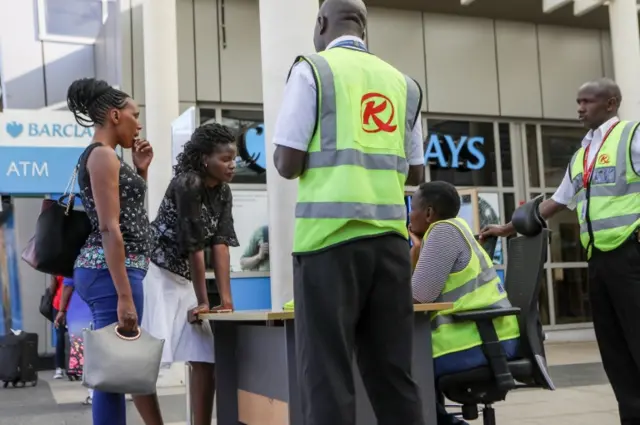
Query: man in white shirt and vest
<point x="349" y="129"/>
<point x="602" y="184"/>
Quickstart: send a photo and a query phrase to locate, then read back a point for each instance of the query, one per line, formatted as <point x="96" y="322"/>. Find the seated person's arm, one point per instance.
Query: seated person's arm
<point x="438" y="257"/>
<point x="296" y="122"/>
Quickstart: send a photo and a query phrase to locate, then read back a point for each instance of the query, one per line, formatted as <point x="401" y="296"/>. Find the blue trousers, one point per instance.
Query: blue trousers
<point x="96" y="288"/>
<point x="61" y="345"/>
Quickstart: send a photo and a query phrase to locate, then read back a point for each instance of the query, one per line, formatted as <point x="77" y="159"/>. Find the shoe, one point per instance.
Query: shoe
<point x="59" y="374"/>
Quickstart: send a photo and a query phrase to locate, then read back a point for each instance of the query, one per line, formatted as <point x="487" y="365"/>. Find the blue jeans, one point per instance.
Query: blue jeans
<point x="470" y="359"/>
<point x="61" y="345"/>
<point x="96" y="288"/>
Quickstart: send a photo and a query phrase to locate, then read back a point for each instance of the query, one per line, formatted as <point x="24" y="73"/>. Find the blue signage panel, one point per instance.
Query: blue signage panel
<point x="37" y="170"/>
<point x="455" y="152"/>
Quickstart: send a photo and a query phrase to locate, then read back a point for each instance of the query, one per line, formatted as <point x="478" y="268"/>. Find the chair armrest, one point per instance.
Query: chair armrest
<point x="477" y="315"/>
<point x="491" y="346"/>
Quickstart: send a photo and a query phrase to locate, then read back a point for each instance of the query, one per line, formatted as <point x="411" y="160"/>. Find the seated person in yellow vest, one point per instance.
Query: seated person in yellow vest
<point x="450" y="266"/>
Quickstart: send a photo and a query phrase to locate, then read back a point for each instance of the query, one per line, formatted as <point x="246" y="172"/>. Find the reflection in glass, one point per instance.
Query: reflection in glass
<point x="505" y="154"/>
<point x="558" y="146"/>
<point x="565" y="244"/>
<point x="459" y="132"/>
<point x="571" y="293"/>
<point x="73" y="18"/>
<point x="251" y="160"/>
<point x="532" y="155"/>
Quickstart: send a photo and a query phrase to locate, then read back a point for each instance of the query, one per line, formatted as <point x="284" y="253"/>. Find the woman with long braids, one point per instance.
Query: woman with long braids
<point x="113" y="262"/>
<point x="195" y="213"/>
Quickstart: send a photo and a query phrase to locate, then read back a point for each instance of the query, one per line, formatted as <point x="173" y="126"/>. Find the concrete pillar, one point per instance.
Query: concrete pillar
<point x="625" y="45"/>
<point x="161" y="89"/>
<point x="282" y="39"/>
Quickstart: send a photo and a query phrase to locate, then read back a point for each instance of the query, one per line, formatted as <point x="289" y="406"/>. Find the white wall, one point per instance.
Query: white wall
<point x="466" y="65"/>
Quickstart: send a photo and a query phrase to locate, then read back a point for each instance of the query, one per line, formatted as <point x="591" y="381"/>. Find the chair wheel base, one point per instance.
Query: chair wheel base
<point x="470" y="412"/>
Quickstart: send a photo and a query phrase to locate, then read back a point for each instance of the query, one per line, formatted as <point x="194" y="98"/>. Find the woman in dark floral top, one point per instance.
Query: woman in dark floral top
<point x="195" y="213"/>
<point x="112" y="264"/>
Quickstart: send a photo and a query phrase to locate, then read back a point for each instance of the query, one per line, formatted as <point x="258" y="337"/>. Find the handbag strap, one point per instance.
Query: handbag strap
<point x="69" y="189"/>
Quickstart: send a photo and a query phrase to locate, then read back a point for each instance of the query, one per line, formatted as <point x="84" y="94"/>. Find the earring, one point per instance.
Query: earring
<point x="206" y="165"/>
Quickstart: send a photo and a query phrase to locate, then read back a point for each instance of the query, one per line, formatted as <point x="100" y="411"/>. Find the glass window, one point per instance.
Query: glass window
<point x="565" y="246"/>
<point x="558" y="146"/>
<point x="532" y="155"/>
<point x="71" y="18"/>
<point x="571" y="294"/>
<point x="252" y="157"/>
<point x="461" y="152"/>
<point x="505" y="154"/>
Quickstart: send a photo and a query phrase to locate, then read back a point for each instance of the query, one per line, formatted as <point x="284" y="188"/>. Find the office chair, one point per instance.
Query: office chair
<point x="489" y="244"/>
<point x="490" y="384"/>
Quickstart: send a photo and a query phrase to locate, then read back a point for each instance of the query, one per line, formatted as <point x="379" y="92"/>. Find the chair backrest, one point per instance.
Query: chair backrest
<point x="525" y="267"/>
<point x="488" y="244"/>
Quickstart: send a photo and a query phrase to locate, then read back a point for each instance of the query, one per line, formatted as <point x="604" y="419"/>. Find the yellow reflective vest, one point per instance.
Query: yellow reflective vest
<point x="609" y="208"/>
<point x="353" y="185"/>
<point x="476" y="287"/>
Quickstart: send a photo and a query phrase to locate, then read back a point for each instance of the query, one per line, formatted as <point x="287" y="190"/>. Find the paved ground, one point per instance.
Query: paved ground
<point x="583" y="397"/>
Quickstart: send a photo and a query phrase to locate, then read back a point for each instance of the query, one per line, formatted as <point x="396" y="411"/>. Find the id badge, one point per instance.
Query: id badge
<point x="583" y="213"/>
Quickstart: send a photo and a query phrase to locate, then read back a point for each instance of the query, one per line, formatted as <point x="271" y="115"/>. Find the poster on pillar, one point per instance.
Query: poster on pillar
<point x="251" y="221"/>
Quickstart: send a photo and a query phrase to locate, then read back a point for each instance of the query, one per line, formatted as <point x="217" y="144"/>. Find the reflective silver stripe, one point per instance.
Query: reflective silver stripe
<point x="444" y="319"/>
<point x="621" y="187"/>
<point x="327" y="116"/>
<point x="353" y="210"/>
<point x="355" y="157"/>
<point x="329" y="155"/>
<point x="487" y="274"/>
<point x="610" y="223"/>
<point x="482" y="279"/>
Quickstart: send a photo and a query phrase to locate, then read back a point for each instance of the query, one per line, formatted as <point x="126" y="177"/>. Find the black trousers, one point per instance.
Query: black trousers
<point x="356" y="297"/>
<point x="614" y="279"/>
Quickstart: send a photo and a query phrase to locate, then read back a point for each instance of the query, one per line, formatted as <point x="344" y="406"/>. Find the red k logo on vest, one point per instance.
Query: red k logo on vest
<point x="378" y="113"/>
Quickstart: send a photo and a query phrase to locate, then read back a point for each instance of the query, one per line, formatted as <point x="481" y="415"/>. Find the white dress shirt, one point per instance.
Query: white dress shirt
<point x="297" y="116"/>
<point x="565" y="193"/>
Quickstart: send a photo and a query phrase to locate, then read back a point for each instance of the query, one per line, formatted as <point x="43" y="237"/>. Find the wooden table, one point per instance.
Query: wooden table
<point x="256" y="368"/>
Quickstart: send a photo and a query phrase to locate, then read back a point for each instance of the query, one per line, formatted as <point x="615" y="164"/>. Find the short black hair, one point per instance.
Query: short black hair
<point x="90" y="100"/>
<point x="204" y="141"/>
<point x="441" y="196"/>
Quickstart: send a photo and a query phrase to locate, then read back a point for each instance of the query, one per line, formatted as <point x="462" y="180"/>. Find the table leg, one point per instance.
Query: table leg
<point x="423" y="366"/>
<point x="295" y="408"/>
<point x="226" y="340"/>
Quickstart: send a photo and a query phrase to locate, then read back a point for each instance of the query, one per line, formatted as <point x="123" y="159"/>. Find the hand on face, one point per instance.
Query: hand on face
<point x="142" y="154"/>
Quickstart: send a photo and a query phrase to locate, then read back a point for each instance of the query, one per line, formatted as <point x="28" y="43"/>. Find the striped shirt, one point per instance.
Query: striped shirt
<point x="445" y="251"/>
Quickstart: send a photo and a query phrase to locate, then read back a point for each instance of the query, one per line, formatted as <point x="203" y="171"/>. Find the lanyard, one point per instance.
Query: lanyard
<point x="354" y="44"/>
<point x="586" y="176"/>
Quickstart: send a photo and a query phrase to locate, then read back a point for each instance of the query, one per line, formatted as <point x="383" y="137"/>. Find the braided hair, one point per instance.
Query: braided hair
<point x="90" y="100"/>
<point x="204" y="141"/>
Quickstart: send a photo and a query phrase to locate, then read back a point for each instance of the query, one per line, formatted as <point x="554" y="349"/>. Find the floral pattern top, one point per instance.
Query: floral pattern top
<point x="191" y="217"/>
<point x="134" y="220"/>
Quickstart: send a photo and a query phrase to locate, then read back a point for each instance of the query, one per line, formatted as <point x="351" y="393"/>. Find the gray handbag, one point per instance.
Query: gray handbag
<point x="115" y="363"/>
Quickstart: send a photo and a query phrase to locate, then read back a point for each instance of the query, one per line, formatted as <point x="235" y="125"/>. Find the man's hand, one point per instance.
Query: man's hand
<point x="497" y="230"/>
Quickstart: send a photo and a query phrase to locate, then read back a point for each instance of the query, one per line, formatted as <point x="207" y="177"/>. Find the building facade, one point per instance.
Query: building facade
<point x="499" y="86"/>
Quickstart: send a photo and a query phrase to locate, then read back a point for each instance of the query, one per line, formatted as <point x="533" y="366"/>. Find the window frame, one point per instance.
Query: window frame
<point x="44" y="35"/>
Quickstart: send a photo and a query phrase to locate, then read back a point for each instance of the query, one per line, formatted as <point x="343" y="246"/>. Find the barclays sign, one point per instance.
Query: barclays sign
<point x="447" y="151"/>
<point x="38" y="150"/>
<point x="65" y="131"/>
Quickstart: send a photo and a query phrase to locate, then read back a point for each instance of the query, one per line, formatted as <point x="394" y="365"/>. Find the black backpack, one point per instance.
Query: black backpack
<point x="18" y="357"/>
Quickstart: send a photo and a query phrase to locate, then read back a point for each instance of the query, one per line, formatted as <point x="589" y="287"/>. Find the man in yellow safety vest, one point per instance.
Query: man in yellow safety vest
<point x="349" y="129"/>
<point x="602" y="184"/>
